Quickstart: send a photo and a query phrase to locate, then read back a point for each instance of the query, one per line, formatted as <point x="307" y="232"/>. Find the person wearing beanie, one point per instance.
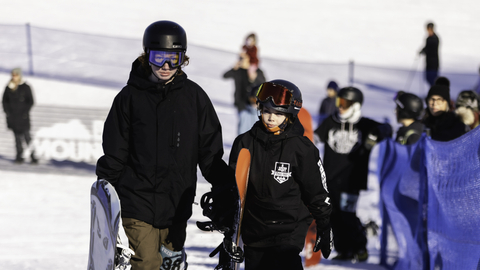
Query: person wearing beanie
<point x="441" y="122"/>
<point x="328" y="107"/>
<point x="17" y="102"/>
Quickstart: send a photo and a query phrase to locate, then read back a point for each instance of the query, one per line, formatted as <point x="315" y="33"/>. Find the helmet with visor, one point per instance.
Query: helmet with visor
<point x="280" y="95"/>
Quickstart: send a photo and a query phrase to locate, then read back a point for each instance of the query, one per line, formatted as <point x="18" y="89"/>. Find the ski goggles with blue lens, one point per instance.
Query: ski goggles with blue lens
<point x="159" y="58"/>
<point x="279" y="94"/>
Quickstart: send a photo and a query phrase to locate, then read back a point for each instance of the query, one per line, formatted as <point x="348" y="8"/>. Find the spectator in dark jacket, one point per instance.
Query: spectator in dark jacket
<point x="328" y="107"/>
<point x="160" y="127"/>
<point x="441" y="122"/>
<point x="17" y="102"/>
<point x="430" y="50"/>
<point x="245" y="76"/>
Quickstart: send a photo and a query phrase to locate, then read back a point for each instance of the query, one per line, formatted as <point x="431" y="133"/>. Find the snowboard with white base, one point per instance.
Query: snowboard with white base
<point x="106" y="249"/>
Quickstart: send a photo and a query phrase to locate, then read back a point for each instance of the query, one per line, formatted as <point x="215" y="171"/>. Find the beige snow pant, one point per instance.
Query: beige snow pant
<point x="146" y="241"/>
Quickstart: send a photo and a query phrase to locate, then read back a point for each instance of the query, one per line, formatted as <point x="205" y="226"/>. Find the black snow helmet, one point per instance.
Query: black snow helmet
<point x="351" y="93"/>
<point x="164" y="35"/>
<point x="408" y="105"/>
<point x="469" y="99"/>
<point x="280" y="95"/>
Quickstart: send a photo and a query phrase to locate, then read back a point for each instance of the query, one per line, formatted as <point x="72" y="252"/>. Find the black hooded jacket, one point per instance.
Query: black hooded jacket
<point x="286" y="183"/>
<point x="17" y="105"/>
<point x="154" y="137"/>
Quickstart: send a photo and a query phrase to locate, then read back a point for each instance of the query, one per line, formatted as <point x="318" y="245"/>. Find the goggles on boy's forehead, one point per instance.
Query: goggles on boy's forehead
<point x="280" y="95"/>
<point x="397" y="99"/>
<point x="343" y="103"/>
<point x="159" y="58"/>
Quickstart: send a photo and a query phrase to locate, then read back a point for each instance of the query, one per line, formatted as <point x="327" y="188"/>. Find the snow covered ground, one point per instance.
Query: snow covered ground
<point x="45" y="216"/>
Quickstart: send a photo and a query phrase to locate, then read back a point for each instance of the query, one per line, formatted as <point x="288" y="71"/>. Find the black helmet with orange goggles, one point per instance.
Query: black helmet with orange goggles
<point x="280" y="95"/>
<point x="351" y="94"/>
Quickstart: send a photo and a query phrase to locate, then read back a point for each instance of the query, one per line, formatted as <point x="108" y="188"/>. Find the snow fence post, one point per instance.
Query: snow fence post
<point x="29" y="49"/>
<point x="351" y="66"/>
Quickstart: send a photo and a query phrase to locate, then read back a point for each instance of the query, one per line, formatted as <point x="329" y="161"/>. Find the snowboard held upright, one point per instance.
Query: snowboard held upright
<point x="230" y="250"/>
<point x="106" y="250"/>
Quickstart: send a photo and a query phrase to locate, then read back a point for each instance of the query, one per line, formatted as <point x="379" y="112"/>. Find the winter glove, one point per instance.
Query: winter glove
<point x="220" y="205"/>
<point x="381" y="132"/>
<point x="324" y="241"/>
<point x="466" y="114"/>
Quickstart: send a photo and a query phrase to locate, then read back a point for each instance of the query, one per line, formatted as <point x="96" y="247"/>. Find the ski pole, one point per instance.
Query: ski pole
<point x="411" y="74"/>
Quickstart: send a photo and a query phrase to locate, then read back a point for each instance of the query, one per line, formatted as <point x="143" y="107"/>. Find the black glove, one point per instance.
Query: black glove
<point x="324" y="241"/>
<point x="220" y="205"/>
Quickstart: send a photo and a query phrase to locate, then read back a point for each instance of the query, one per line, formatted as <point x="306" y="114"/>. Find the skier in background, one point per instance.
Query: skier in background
<point x="349" y="139"/>
<point x="409" y="109"/>
<point x="431" y="54"/>
<point x="286" y="183"/>
<point x="17" y="102"/>
<point x="160" y="127"/>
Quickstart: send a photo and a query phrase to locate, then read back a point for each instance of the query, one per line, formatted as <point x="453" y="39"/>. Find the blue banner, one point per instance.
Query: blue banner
<point x="430" y="198"/>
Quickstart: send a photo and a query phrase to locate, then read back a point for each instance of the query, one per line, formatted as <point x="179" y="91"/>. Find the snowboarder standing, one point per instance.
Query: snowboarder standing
<point x="160" y="127"/>
<point x="286" y="186"/>
<point x="348" y="139"/>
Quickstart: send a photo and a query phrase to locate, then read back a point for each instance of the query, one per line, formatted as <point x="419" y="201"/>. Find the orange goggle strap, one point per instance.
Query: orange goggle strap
<point x="280" y="95"/>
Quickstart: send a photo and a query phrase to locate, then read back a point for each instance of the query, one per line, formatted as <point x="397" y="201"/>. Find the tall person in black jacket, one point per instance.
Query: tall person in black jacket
<point x="349" y="139"/>
<point x="432" y="62"/>
<point x="160" y="127"/>
<point x="286" y="186"/>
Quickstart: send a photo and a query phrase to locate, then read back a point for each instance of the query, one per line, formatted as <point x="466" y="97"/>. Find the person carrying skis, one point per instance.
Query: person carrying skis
<point x="160" y="127"/>
<point x="408" y="111"/>
<point x="286" y="185"/>
<point x="349" y="139"/>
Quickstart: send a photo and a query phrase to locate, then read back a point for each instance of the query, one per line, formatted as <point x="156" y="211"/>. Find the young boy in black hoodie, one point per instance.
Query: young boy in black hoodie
<point x="286" y="186"/>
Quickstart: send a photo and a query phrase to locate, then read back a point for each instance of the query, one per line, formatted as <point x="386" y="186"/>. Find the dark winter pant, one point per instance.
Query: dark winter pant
<point x="284" y="257"/>
<point x="146" y="240"/>
<point x="431" y="76"/>
<point x="20" y="137"/>
<point x="348" y="232"/>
